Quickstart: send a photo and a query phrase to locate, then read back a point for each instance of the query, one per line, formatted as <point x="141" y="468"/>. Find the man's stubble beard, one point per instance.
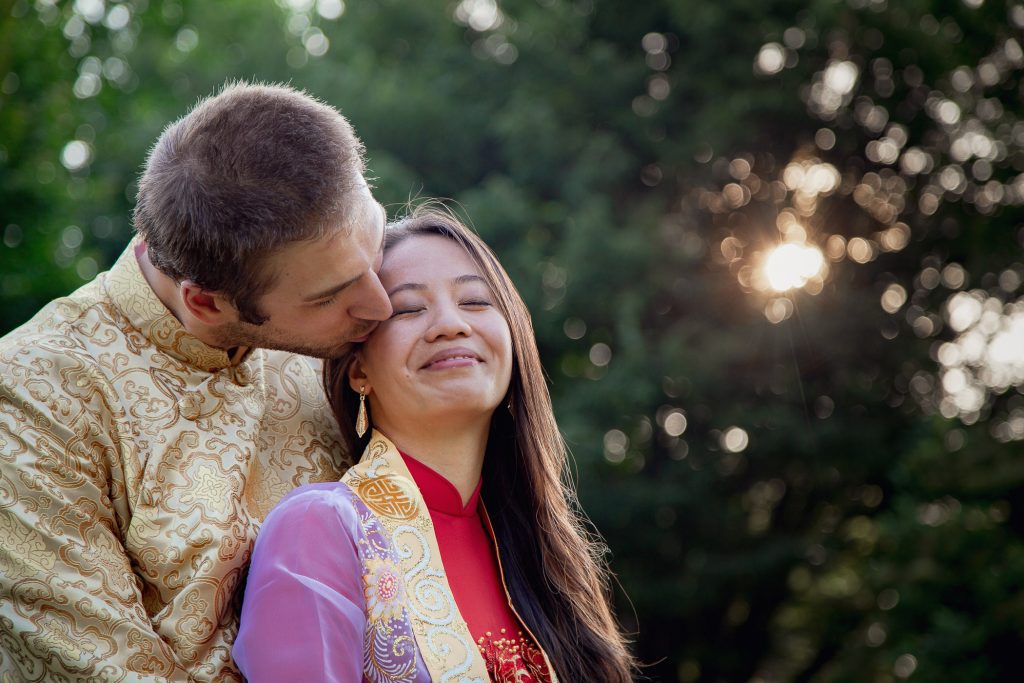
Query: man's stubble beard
<point x="265" y="337"/>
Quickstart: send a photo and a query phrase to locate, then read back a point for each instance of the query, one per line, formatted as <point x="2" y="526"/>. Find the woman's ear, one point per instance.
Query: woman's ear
<point x="357" y="378"/>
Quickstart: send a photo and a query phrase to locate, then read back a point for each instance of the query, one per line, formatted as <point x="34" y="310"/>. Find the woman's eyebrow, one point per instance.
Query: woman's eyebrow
<point x="460" y="280"/>
<point x="406" y="286"/>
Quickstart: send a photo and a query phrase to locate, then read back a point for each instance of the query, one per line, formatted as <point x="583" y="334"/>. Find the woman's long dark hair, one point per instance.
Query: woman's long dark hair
<point x="554" y="566"/>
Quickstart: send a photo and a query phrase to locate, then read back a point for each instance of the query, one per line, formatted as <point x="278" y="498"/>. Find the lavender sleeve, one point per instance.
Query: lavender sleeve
<point x="304" y="612"/>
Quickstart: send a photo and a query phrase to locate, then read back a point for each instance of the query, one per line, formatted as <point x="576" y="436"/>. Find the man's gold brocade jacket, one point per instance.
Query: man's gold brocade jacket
<point x="136" y="464"/>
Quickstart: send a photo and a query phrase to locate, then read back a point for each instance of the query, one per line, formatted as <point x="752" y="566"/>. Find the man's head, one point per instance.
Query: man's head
<point x="255" y="204"/>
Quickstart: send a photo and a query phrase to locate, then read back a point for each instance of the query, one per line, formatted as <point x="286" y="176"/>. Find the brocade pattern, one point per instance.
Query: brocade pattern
<point x="407" y="543"/>
<point x="389" y="651"/>
<point x="136" y="465"/>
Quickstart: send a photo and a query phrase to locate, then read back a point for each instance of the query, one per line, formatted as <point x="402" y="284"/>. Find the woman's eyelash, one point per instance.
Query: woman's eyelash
<point x="326" y="302"/>
<point x="416" y="309"/>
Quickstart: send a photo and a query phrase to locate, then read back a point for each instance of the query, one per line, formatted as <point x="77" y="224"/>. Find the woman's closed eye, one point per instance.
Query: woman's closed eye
<point x="398" y="310"/>
<point x="410" y="309"/>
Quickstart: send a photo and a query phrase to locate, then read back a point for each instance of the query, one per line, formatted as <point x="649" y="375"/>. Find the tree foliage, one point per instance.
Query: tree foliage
<point x="820" y="484"/>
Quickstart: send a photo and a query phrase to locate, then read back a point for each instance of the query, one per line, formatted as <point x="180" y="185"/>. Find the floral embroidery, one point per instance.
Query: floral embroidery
<point x="384" y="590"/>
<point x="210" y="489"/>
<point x="389" y="648"/>
<point x="430" y="612"/>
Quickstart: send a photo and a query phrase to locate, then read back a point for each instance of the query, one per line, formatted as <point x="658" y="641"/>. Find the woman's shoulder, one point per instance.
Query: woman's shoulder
<point x="322" y="492"/>
<point x="320" y="501"/>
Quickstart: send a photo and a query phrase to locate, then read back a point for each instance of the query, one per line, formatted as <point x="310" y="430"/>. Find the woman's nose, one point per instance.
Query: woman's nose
<point x="448" y="320"/>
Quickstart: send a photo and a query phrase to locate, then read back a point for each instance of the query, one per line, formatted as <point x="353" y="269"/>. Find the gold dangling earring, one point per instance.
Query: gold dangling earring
<point x="362" y="423"/>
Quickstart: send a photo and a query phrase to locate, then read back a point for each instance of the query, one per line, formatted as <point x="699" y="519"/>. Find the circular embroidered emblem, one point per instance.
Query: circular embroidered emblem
<point x="385" y="496"/>
<point x="387" y="587"/>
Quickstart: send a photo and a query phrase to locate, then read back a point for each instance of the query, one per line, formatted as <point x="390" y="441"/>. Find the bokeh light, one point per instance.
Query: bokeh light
<point x="893" y="298"/>
<point x="118" y="17"/>
<point x="600" y="354"/>
<point x="615" y="444"/>
<point x="832" y="88"/>
<point x="735" y="440"/>
<point x="330" y="9"/>
<point x="987" y="354"/>
<point x="791" y="266"/>
<point x="479" y="15"/>
<point x="675" y="423"/>
<point x="90" y="10"/>
<point x="75" y="155"/>
<point x="770" y="59"/>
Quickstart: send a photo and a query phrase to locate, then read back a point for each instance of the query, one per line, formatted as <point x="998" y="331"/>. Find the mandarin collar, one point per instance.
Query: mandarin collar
<point x="127" y="288"/>
<point x="438" y="493"/>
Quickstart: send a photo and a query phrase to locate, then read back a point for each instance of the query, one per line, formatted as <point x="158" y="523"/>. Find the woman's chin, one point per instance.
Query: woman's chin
<point x="464" y="386"/>
<point x="452" y="412"/>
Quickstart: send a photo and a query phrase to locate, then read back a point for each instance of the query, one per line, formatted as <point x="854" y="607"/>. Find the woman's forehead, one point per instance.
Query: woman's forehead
<point x="426" y="258"/>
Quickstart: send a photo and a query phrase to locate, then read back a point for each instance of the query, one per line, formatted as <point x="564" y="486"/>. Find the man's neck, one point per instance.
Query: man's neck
<point x="164" y="287"/>
<point x="167" y="290"/>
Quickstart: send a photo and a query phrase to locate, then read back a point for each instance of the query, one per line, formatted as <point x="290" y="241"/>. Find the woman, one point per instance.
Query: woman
<point x="454" y="550"/>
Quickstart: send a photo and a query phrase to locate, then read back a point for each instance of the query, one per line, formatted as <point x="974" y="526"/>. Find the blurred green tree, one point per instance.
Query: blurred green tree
<point x="819" y="484"/>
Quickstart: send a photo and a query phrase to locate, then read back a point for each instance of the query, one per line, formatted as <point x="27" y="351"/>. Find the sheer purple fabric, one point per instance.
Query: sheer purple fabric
<point x="305" y="612"/>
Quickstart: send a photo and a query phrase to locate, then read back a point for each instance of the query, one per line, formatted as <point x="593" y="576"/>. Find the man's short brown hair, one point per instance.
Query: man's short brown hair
<point x="245" y="172"/>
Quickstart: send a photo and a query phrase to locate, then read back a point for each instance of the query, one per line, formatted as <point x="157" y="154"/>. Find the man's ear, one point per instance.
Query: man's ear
<point x="209" y="308"/>
<point x="357" y="378"/>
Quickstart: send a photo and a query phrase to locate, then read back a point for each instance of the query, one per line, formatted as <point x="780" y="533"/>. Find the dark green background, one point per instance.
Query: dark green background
<point x="860" y="535"/>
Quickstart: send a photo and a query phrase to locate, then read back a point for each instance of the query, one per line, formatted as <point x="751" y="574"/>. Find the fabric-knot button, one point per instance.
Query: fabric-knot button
<point x="190" y="405"/>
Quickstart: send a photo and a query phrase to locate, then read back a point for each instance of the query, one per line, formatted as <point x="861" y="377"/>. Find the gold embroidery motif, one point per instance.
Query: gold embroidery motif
<point x="386" y="496"/>
<point x="209" y="489"/>
<point x="136" y="461"/>
<point x="381" y="480"/>
<point x="23" y="551"/>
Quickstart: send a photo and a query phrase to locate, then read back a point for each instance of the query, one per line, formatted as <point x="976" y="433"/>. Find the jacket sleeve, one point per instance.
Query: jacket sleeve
<point x="70" y="605"/>
<point x="304" y="611"/>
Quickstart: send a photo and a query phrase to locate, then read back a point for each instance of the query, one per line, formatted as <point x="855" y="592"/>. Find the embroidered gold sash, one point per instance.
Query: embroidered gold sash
<point x="384" y="484"/>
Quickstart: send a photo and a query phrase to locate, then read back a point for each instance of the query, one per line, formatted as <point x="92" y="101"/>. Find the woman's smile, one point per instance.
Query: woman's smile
<point x="457" y="357"/>
<point x="446" y="352"/>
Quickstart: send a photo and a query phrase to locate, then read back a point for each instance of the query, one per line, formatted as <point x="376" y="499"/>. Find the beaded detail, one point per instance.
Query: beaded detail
<point x="512" y="660"/>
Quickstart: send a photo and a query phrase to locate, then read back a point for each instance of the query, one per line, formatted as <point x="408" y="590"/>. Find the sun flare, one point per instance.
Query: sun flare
<point x="790" y="266"/>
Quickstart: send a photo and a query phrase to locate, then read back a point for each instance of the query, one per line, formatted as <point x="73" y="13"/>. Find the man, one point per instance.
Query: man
<point x="146" y="427"/>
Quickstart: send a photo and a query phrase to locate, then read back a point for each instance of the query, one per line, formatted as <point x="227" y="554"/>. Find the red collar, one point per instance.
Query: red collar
<point x="439" y="493"/>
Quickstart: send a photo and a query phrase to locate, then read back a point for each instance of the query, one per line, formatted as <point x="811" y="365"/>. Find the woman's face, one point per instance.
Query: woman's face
<point x="446" y="352"/>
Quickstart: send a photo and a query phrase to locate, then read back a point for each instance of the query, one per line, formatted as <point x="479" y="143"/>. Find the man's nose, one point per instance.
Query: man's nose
<point x="372" y="302"/>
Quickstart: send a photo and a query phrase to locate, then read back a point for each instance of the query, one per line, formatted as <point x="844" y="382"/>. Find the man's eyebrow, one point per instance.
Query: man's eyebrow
<point x="348" y="283"/>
